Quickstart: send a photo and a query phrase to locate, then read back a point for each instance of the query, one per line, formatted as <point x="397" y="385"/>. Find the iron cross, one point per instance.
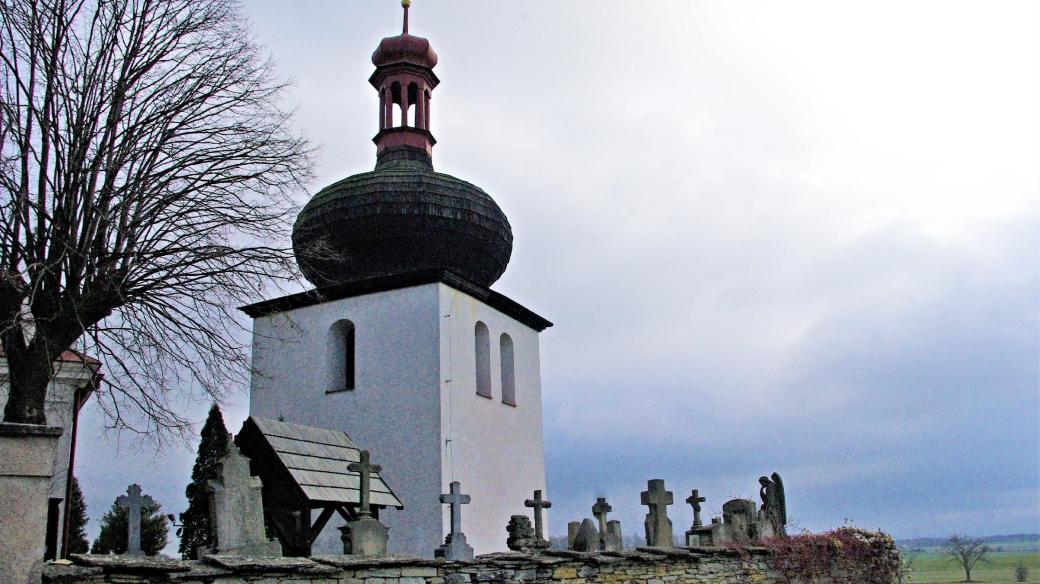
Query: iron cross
<point x="599" y="511"/>
<point x="538" y="503"/>
<point x="365" y="468"/>
<point x="456" y="499"/>
<point x="695" y="500"/>
<point x="133" y="502"/>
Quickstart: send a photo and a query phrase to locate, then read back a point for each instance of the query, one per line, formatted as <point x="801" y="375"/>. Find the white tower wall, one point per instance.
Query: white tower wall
<point x="414" y="404"/>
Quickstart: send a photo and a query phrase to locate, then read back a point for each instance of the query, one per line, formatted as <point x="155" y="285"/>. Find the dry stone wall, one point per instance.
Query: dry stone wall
<point x="698" y="565"/>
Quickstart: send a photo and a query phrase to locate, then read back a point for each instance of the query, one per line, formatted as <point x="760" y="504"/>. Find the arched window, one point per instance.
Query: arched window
<point x="508" y="371"/>
<point x="482" y="346"/>
<point x="341" y="361"/>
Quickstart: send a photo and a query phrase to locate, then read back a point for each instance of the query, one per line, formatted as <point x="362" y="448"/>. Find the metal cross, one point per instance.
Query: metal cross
<point x="133" y="502"/>
<point x="599" y="511"/>
<point x="538" y="503"/>
<point x="456" y="499"/>
<point x="656" y="497"/>
<point x="695" y="500"/>
<point x="365" y="468"/>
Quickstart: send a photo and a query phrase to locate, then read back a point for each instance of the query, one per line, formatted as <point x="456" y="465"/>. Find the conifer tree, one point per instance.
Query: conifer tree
<point x="212" y="448"/>
<point x="114" y="531"/>
<point x="78" y="543"/>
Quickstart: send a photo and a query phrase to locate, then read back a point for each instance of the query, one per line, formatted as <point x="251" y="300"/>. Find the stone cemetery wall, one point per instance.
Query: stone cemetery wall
<point x="699" y="565"/>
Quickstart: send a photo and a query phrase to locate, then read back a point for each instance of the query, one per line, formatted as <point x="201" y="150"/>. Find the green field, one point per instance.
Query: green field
<point x="930" y="567"/>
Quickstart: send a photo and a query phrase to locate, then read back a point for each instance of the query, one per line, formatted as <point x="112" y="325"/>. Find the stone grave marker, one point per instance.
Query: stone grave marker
<point x="238" y="510"/>
<point x="588" y="538"/>
<point x="609" y="531"/>
<point x="658" y="526"/>
<point x="134" y="503"/>
<point x="538" y="504"/>
<point x="365" y="536"/>
<point x="455" y="546"/>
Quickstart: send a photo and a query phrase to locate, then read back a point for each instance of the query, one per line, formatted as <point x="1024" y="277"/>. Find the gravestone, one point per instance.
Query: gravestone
<point x="740" y="516"/>
<point x="614" y="543"/>
<point x="134" y="503"/>
<point x="609" y="531"/>
<point x="693" y="535"/>
<point x="455" y="546"/>
<point x="237" y="512"/>
<point x="365" y="535"/>
<point x="588" y="538"/>
<point x="658" y="526"/>
<point x="538" y="503"/>
<point x="521" y="534"/>
<point x="572" y="532"/>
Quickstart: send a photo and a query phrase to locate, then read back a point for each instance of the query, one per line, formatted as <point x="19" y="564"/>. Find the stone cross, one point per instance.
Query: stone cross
<point x="133" y="502"/>
<point x="455" y="546"/>
<point x="695" y="500"/>
<point x="365" y="468"/>
<point x="237" y="510"/>
<point x="538" y="503"/>
<point x="658" y="526"/>
<point x="456" y="499"/>
<point x="599" y="511"/>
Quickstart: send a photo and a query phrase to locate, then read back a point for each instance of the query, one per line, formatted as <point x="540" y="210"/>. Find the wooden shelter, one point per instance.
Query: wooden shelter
<point x="304" y="469"/>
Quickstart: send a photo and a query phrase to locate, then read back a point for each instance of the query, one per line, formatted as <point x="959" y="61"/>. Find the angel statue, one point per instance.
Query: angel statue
<point x="774" y="506"/>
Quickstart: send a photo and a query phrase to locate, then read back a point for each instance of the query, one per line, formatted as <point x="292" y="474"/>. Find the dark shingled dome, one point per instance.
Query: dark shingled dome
<point x="401" y="217"/>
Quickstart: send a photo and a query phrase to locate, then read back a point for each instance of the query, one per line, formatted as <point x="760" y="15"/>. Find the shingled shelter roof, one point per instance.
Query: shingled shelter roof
<point x="315" y="459"/>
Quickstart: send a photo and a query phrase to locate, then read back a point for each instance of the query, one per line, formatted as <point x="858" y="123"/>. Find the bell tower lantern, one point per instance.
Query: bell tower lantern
<point x="405" y="81"/>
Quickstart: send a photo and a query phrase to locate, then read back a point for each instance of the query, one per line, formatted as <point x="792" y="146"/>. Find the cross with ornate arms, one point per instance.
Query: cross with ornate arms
<point x="133" y="502"/>
<point x="365" y="468"/>
<point x="456" y="499"/>
<point x="599" y="511"/>
<point x="695" y="500"/>
<point x="538" y="503"/>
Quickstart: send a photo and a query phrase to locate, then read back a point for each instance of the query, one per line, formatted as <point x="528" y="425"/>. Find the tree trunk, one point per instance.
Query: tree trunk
<point x="29" y="374"/>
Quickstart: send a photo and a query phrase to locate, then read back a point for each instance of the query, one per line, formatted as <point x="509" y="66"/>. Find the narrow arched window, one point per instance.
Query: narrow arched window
<point x="508" y="370"/>
<point x="341" y="356"/>
<point x="482" y="350"/>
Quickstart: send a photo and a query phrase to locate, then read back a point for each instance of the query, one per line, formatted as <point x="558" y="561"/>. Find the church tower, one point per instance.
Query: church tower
<point x="402" y="344"/>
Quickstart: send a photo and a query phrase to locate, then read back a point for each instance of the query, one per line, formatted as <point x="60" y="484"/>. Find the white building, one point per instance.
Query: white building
<point x="403" y="346"/>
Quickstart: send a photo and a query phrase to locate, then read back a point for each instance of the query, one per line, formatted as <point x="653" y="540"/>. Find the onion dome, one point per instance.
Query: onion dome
<point x="403" y="216"/>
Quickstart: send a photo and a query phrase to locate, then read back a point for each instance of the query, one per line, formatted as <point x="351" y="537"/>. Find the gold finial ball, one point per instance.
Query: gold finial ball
<point x="406" y="3"/>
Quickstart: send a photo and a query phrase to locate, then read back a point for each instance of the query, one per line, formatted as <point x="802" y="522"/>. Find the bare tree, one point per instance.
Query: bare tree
<point x="966" y="551"/>
<point x="146" y="168"/>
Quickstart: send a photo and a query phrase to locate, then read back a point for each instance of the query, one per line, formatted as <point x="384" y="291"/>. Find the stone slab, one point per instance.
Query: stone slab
<point x="269" y="564"/>
<point x="131" y="563"/>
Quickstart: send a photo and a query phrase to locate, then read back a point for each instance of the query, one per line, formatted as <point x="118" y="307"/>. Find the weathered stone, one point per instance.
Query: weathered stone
<point x="238" y="510"/>
<point x="613" y="541"/>
<point x="134" y="503"/>
<point x="538" y="504"/>
<point x="365" y="536"/>
<point x="587" y="538"/>
<point x="658" y="526"/>
<point x="572" y="532"/>
<point x="774" y="505"/>
<point x="455" y="546"/>
<point x="27" y="454"/>
<point x="521" y="533"/>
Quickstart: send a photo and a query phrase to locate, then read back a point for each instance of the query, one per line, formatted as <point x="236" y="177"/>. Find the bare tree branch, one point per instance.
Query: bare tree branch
<point x="146" y="169"/>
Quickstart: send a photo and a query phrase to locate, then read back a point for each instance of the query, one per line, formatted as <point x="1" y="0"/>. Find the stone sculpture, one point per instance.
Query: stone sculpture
<point x="740" y="517"/>
<point x="365" y="535"/>
<point x="658" y="526"/>
<point x="697" y="535"/>
<point x="455" y="546"/>
<point x="538" y="504"/>
<point x="237" y="510"/>
<point x="774" y="505"/>
<point x="133" y="502"/>
<point x="521" y="534"/>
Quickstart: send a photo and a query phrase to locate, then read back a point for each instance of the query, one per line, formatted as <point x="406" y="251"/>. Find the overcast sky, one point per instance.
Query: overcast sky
<point x="773" y="236"/>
